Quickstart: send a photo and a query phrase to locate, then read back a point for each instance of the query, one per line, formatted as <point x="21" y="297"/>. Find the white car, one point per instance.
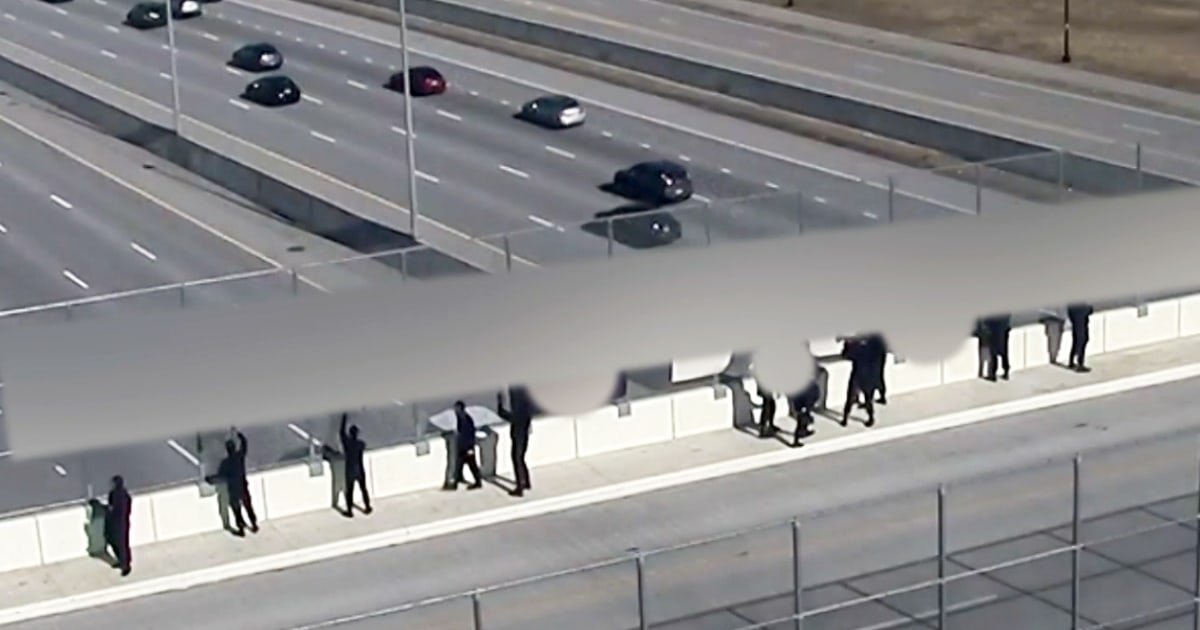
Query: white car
<point x="554" y="111"/>
<point x="184" y="9"/>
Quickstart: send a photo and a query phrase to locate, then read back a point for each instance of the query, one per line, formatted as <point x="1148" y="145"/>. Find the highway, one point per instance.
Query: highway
<point x="481" y="171"/>
<point x="885" y="542"/>
<point x="1045" y="115"/>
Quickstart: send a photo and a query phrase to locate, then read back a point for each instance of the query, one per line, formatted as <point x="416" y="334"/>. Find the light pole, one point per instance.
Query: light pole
<point x="170" y="7"/>
<point x="408" y="124"/>
<point x="1066" y="56"/>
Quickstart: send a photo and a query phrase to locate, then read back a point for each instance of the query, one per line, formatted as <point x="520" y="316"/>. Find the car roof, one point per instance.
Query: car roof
<point x="259" y="46"/>
<point x="149" y="5"/>
<point x="666" y="166"/>
<point x="276" y="78"/>
<point x="424" y="69"/>
<point x="557" y="99"/>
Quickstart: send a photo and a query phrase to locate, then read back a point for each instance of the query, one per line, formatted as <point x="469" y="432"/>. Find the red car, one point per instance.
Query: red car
<point x="425" y="81"/>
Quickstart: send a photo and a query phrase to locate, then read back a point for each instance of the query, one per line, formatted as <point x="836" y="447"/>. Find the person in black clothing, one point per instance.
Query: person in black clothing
<point x="985" y="355"/>
<point x="1080" y="316"/>
<point x="353" y="448"/>
<point x="802" y="409"/>
<point x="998" y="329"/>
<point x="766" y="418"/>
<point x="875" y="351"/>
<point x="863" y="380"/>
<point x="464" y="446"/>
<point x="520" y="420"/>
<point x="116" y="524"/>
<point x="232" y="471"/>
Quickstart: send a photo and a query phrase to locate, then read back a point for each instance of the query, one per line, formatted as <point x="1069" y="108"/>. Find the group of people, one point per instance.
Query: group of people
<point x="993" y="333"/>
<point x="519" y="415"/>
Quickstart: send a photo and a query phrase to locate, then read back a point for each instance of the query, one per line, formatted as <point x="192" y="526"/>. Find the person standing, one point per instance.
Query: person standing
<point x="464" y="448"/>
<point x="1080" y="316"/>
<point x="520" y="421"/>
<point x="803" y="405"/>
<point x="876" y="351"/>
<point x="232" y="471"/>
<point x="354" y="449"/>
<point x="999" y="327"/>
<point x="984" y="343"/>
<point x="766" y="418"/>
<point x="116" y="524"/>
<point x="862" y="380"/>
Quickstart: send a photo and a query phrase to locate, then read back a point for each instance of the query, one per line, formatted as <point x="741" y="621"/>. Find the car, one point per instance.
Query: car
<point x="146" y="15"/>
<point x="185" y="9"/>
<point x="660" y="181"/>
<point x="425" y="81"/>
<point x="55" y="1"/>
<point x="273" y="91"/>
<point x="638" y="226"/>
<point x="259" y="57"/>
<point x="555" y="111"/>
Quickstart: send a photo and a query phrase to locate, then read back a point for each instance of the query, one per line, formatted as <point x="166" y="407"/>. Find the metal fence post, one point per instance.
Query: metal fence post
<point x="1138" y="165"/>
<point x="477" y="610"/>
<point x="1062" y="174"/>
<point x="891" y="202"/>
<point x="609" y="222"/>
<point x="708" y="224"/>
<point x="797" y="577"/>
<point x="182" y="295"/>
<point x="404" y="264"/>
<point x="941" y="544"/>
<point x="67" y="308"/>
<point x="1075" y="550"/>
<point x="643" y="620"/>
<point x="507" y="254"/>
<point x="978" y="189"/>
<point x="800" y="213"/>
<point x="295" y="281"/>
<point x="1196" y="575"/>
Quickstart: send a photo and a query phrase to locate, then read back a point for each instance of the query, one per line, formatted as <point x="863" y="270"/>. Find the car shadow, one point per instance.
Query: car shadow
<point x="628" y="232"/>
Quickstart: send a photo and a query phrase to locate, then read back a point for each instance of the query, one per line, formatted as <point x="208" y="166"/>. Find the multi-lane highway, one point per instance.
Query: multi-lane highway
<point x="887" y="542"/>
<point x="1045" y="115"/>
<point x="481" y="172"/>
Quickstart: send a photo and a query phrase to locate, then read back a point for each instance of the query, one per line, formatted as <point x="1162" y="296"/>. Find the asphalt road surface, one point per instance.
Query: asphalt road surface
<point x="1040" y="114"/>
<point x="884" y="542"/>
<point x="482" y="172"/>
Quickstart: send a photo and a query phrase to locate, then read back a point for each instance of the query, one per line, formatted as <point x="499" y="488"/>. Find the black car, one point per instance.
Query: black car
<point x="259" y="57"/>
<point x="638" y="226"/>
<point x="145" y="15"/>
<point x="55" y="1"/>
<point x="554" y="111"/>
<point x="425" y="81"/>
<point x="273" y="91"/>
<point x="661" y="181"/>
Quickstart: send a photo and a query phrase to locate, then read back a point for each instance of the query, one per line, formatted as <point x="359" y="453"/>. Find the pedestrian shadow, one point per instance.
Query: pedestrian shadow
<point x="743" y="407"/>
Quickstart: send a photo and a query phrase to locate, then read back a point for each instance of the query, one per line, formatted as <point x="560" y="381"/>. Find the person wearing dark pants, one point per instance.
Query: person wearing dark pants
<point x="1080" y="316"/>
<point x="803" y="405"/>
<point x="520" y="421"/>
<point x="354" y="450"/>
<point x="464" y="448"/>
<point x="766" y="418"/>
<point x="232" y="471"/>
<point x="862" y="383"/>
<point x="875" y="350"/>
<point x="116" y="524"/>
<point x="999" y="327"/>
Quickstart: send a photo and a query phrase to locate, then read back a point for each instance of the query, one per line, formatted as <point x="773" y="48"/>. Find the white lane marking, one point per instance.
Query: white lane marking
<point x="108" y="53"/>
<point x="142" y="250"/>
<point x="725" y="171"/>
<point x="3" y="229"/>
<point x="505" y="102"/>
<point x="1145" y="130"/>
<point x="10" y="17"/>
<point x="234" y="71"/>
<point x="70" y="275"/>
<point x="62" y="472"/>
<point x="258" y="27"/>
<point x="772" y="185"/>
<point x="320" y="136"/>
<point x="445" y="114"/>
<point x="164" y="75"/>
<point x="558" y="151"/>
<point x="112" y="29"/>
<point x="299" y="40"/>
<point x="56" y="35"/>
<point x="238" y="104"/>
<point x="321" y="46"/>
<point x="60" y="10"/>
<point x="512" y="171"/>
<point x="165" y="47"/>
<point x="102" y="3"/>
<point x="701" y="198"/>
<point x="606" y="134"/>
<point x="427" y="177"/>
<point x="391" y="67"/>
<point x="343" y="52"/>
<point x="210" y="37"/>
<point x="543" y="222"/>
<point x="183" y="452"/>
<point x="644" y="145"/>
<point x="356" y="84"/>
<point x="473" y="92"/>
<point x="368" y="60"/>
<point x="871" y="215"/>
<point x="239" y="22"/>
<point x="278" y="33"/>
<point x="684" y="158"/>
<point x="399" y="130"/>
<point x="820" y="200"/>
<point x="62" y="202"/>
<point x="312" y="99"/>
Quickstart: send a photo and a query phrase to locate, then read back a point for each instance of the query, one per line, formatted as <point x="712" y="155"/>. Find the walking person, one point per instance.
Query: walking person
<point x="464" y="448"/>
<point x="999" y="327"/>
<point x="520" y="421"/>
<point x="863" y="383"/>
<point x="116" y="524"/>
<point x="1080" y="316"/>
<point x="232" y="471"/>
<point x="802" y="406"/>
<point x="766" y="417"/>
<point x="354" y="449"/>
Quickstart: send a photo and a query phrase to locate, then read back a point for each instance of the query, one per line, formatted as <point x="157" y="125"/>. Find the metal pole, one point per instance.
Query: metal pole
<point x="708" y="223"/>
<point x="1196" y="574"/>
<point x="295" y="281"/>
<point x="477" y="610"/>
<point x="800" y="213"/>
<point x="174" y="67"/>
<point x="1062" y="174"/>
<point x="609" y="224"/>
<point x="891" y="199"/>
<point x="643" y="620"/>
<point x="978" y="189"/>
<point x="1076" y="551"/>
<point x="409" y="142"/>
<point x="941" y="543"/>
<point x="1066" y="56"/>
<point x="404" y="264"/>
<point x="182" y="295"/>
<point x="1139" y="165"/>
<point x="797" y="577"/>
<point x="507" y="254"/>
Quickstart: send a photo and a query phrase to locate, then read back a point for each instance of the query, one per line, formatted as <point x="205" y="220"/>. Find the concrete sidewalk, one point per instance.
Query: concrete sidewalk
<point x="166" y="566"/>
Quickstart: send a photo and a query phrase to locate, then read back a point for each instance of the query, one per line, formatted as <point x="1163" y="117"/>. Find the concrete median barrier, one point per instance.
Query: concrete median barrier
<point x="402" y="469"/>
<point x="701" y="411"/>
<point x="63" y="534"/>
<point x="22" y="546"/>
<point x="293" y="490"/>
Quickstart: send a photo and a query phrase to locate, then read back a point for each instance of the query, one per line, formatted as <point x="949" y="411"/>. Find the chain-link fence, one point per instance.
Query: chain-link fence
<point x="1104" y="539"/>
